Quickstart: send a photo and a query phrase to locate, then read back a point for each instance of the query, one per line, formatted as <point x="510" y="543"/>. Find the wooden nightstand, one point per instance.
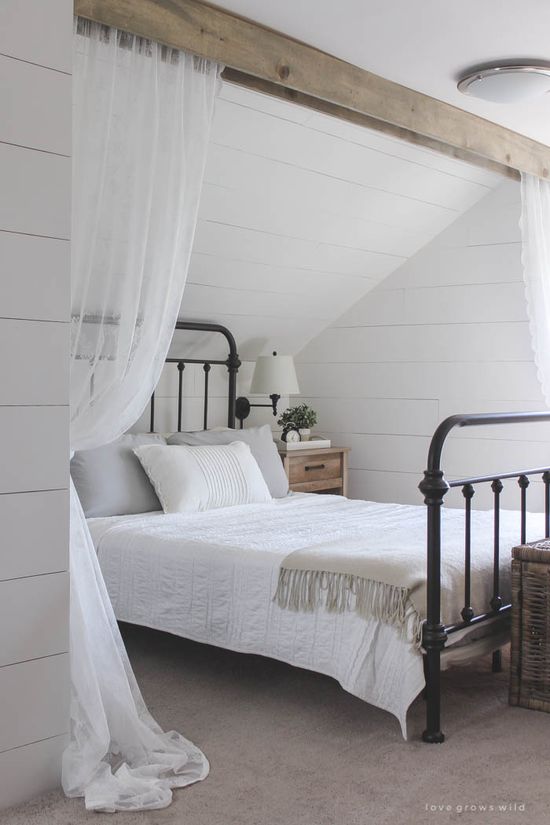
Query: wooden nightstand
<point x="321" y="470"/>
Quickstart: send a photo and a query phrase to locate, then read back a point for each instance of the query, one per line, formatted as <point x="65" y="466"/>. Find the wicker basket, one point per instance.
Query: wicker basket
<point x="530" y="659"/>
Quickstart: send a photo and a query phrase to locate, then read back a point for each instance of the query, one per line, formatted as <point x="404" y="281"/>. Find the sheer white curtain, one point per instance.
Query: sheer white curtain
<point x="535" y="236"/>
<point x="142" y="116"/>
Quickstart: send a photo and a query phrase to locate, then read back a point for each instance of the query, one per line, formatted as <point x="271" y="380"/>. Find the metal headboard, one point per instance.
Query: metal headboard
<point x="232" y="362"/>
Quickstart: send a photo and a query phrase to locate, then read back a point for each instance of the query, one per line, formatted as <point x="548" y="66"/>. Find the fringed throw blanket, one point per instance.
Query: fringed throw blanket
<point x="383" y="574"/>
<point x="342" y="576"/>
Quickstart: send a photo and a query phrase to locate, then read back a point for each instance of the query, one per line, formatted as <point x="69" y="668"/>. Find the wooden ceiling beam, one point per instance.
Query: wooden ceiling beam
<point x="272" y="62"/>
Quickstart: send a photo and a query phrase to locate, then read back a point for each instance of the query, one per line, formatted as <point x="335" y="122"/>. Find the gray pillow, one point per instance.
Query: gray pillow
<point x="110" y="480"/>
<point x="262" y="447"/>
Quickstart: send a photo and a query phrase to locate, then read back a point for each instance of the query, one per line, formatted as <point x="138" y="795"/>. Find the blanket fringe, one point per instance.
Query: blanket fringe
<point x="306" y="590"/>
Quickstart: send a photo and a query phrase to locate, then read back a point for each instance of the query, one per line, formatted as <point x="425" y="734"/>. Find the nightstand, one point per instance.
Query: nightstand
<point x="321" y="470"/>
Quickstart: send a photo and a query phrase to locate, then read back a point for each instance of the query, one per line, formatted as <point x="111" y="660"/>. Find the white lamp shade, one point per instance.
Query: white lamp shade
<point x="274" y="375"/>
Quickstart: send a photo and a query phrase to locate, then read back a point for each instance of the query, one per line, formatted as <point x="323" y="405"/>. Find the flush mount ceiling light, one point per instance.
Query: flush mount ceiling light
<point x="507" y="83"/>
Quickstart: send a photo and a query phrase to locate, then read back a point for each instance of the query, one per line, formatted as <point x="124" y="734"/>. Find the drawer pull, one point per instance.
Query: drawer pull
<point x="315" y="467"/>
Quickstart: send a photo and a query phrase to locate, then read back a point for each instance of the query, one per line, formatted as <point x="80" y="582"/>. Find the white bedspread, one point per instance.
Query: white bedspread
<point x="211" y="577"/>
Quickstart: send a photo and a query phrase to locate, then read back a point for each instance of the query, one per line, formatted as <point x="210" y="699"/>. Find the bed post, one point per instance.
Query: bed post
<point x="233" y="364"/>
<point x="434" y="487"/>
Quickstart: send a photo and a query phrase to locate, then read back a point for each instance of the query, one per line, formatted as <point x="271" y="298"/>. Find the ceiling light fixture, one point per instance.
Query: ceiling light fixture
<point x="512" y="83"/>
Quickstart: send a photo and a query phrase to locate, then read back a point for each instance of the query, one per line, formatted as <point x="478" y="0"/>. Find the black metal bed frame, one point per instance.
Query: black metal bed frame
<point x="434" y="486"/>
<point x="232" y="362"/>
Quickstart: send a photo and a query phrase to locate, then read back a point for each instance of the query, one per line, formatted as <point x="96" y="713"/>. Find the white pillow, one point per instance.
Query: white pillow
<point x="262" y="446"/>
<point x="192" y="479"/>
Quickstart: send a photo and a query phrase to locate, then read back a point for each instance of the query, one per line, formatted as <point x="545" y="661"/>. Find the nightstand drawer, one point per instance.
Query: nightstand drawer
<point x="321" y="470"/>
<point x="324" y="485"/>
<point x="313" y="468"/>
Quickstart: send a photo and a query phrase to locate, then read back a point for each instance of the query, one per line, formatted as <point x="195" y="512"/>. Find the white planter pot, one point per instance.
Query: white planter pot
<point x="305" y="434"/>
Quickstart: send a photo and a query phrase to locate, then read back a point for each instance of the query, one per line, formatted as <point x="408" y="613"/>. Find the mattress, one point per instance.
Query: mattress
<point x="210" y="577"/>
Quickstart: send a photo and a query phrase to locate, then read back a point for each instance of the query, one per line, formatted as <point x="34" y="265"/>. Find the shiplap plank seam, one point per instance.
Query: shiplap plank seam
<point x="32" y="63"/>
<point x="351" y="181"/>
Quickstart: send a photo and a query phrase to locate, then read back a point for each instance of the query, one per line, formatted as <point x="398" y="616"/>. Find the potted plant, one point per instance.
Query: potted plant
<point x="301" y="418"/>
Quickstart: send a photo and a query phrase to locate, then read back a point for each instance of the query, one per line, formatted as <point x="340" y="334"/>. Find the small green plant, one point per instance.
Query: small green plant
<point x="300" y="417"/>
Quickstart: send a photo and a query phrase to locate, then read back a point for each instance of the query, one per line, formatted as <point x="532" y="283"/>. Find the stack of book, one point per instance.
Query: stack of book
<point x="312" y="444"/>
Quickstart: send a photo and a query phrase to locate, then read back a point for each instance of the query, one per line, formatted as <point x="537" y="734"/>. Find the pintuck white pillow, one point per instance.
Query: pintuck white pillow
<point x="192" y="479"/>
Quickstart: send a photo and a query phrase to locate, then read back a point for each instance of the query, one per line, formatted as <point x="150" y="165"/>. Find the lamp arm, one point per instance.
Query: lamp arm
<point x="243" y="406"/>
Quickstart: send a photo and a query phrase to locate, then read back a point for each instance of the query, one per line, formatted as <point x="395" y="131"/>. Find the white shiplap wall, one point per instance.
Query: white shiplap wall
<point x="302" y="214"/>
<point x="35" y="170"/>
<point x="446" y="333"/>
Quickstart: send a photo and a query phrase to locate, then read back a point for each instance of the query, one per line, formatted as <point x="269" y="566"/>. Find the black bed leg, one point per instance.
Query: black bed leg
<point x="434" y="487"/>
<point x="433" y="733"/>
<point x="496" y="666"/>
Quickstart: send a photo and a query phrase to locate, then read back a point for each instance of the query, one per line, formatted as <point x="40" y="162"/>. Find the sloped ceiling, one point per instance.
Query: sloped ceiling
<point x="301" y="215"/>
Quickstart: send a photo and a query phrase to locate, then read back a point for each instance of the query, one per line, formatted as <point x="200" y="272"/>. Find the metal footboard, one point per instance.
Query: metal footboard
<point x="434" y="486"/>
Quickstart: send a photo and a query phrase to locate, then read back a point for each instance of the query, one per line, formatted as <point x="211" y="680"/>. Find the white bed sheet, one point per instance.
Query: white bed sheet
<point x="211" y="577"/>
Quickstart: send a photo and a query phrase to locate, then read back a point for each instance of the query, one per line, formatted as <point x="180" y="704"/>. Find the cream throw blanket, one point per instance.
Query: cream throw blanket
<point x="350" y="576"/>
<point x="383" y="574"/>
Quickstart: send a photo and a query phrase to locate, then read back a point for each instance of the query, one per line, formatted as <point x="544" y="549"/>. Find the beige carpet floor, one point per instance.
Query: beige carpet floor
<point x="289" y="747"/>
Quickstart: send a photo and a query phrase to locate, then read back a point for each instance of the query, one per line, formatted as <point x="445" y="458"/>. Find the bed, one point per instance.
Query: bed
<point x="218" y="577"/>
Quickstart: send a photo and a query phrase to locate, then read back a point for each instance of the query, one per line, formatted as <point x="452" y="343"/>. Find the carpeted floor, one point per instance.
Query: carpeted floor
<point x="289" y="747"/>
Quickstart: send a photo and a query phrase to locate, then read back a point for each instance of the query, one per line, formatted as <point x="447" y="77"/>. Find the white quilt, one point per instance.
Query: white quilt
<point x="211" y="577"/>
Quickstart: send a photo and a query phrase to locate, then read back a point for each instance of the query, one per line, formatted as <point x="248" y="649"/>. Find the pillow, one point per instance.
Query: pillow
<point x="262" y="446"/>
<point x="192" y="479"/>
<point x="110" y="481"/>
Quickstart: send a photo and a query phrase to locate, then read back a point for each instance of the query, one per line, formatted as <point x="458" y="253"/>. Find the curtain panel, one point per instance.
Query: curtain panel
<point x="141" y="126"/>
<point x="535" y="256"/>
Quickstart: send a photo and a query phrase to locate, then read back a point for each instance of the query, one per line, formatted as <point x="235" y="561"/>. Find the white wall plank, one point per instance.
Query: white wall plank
<point x="30" y="523"/>
<point x="35" y="281"/>
<point x="33" y="617"/>
<point x="263" y="103"/>
<point x="351" y="133"/>
<point x="236" y="241"/>
<point x="38" y="371"/>
<point x="467" y="304"/>
<point x="35" y="448"/>
<point x="36" y="106"/>
<point x="427" y="343"/>
<point x="367" y="415"/>
<point x="209" y="269"/>
<point x="385" y="486"/>
<point x="35" y="215"/>
<point x="378" y="452"/>
<point x="289" y="209"/>
<point x="447" y="333"/>
<point x="229" y="301"/>
<point x="455" y="381"/>
<point x="362" y="216"/>
<point x="458" y="265"/>
<point x="31" y="770"/>
<point x="38" y="32"/>
<point x="395" y="147"/>
<point x="34" y="700"/>
<point x="289" y="142"/>
<point x="499" y="225"/>
<point x="35" y="192"/>
<point x="472" y="304"/>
